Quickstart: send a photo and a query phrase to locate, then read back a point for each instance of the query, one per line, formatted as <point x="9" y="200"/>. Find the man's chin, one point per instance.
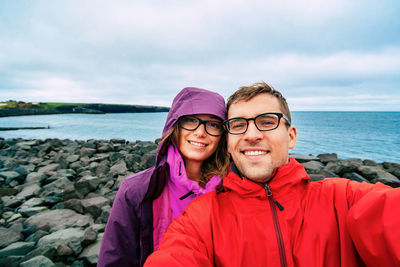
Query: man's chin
<point x="259" y="177"/>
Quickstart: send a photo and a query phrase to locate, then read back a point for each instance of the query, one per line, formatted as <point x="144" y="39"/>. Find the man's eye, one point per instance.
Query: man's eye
<point x="237" y="125"/>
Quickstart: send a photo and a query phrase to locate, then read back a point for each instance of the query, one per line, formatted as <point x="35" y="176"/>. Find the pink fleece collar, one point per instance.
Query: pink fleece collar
<point x="180" y="185"/>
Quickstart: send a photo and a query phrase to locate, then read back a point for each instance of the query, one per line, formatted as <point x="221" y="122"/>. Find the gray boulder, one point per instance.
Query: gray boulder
<point x="17" y="248"/>
<point x="59" y="219"/>
<point x="38" y="261"/>
<point x="393" y="168"/>
<point x="8" y="236"/>
<point x="313" y="167"/>
<point x="61" y="236"/>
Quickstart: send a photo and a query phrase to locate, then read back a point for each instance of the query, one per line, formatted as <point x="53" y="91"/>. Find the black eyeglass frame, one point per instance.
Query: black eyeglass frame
<point x="280" y="116"/>
<point x="200" y="123"/>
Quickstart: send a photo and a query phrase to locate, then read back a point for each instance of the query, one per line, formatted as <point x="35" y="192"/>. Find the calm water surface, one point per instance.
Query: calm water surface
<point x="365" y="135"/>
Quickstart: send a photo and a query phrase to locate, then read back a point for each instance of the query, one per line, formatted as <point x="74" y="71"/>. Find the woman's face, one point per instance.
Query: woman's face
<point x="198" y="145"/>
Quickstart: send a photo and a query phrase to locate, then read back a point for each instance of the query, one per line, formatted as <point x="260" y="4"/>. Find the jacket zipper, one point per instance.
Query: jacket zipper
<point x="278" y="231"/>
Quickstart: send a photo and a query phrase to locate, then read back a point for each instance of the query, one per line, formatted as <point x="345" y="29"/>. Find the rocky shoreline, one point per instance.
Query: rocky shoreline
<point x="56" y="195"/>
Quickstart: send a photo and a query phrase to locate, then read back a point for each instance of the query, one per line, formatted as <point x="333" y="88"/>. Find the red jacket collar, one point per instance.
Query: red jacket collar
<point x="286" y="177"/>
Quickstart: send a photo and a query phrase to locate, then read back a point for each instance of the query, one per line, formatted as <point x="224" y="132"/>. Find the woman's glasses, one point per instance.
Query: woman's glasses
<point x="190" y="123"/>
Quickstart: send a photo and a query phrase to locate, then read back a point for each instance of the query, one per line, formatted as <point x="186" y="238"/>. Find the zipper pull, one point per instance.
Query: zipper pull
<point x="268" y="191"/>
<point x="186" y="195"/>
<point x="280" y="207"/>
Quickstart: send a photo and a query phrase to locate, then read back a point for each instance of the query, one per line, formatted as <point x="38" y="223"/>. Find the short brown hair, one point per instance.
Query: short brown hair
<point x="216" y="164"/>
<point x="246" y="93"/>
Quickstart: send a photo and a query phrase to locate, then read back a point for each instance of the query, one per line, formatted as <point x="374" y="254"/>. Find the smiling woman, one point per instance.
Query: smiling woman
<point x="190" y="160"/>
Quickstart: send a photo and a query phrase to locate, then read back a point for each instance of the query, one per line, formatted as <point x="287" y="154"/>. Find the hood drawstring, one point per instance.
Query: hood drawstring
<point x="186" y="195"/>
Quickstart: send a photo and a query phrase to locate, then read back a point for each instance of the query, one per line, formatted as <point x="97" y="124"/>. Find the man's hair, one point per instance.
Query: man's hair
<point x="246" y="93"/>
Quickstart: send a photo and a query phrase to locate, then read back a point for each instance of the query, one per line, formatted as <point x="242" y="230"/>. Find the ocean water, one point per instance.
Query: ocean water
<point x="364" y="135"/>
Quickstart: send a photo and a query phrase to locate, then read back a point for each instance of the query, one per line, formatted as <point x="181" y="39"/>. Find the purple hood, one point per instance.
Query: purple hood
<point x="190" y="101"/>
<point x="193" y="100"/>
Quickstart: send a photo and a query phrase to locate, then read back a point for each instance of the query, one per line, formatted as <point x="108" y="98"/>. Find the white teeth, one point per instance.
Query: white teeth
<point x="254" y="153"/>
<point x="196" y="144"/>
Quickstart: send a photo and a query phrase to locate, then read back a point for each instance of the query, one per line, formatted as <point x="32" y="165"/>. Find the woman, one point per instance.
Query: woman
<point x="190" y="160"/>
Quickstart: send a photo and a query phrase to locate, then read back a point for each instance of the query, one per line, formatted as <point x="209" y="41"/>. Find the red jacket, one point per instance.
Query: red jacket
<point x="334" y="222"/>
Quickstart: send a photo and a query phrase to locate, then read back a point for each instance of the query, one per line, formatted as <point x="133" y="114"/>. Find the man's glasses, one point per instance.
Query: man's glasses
<point x="190" y="123"/>
<point x="263" y="122"/>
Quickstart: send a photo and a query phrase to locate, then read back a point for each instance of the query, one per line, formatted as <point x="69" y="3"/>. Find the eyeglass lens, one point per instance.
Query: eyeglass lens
<point x="192" y="123"/>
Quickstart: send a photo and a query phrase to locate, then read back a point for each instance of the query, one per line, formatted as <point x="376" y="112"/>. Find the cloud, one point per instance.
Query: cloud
<point x="139" y="52"/>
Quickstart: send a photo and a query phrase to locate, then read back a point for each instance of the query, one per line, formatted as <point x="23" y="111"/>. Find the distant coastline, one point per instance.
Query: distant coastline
<point x="20" y="108"/>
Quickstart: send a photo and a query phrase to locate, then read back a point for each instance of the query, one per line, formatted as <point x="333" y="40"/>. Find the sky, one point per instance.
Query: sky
<point x="322" y="55"/>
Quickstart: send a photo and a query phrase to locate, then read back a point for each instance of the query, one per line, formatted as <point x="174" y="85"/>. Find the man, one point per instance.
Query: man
<point x="270" y="214"/>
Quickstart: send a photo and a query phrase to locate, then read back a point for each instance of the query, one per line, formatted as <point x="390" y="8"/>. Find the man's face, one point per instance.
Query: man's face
<point x="255" y="153"/>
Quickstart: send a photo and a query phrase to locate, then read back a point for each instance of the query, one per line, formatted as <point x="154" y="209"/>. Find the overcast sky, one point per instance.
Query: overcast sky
<point x="322" y="55"/>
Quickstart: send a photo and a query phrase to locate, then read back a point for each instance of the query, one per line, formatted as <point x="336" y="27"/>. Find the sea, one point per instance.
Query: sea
<point x="359" y="134"/>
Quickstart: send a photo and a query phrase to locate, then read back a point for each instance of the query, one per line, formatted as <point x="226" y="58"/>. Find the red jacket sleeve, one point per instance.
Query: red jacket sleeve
<point x="374" y="226"/>
<point x="187" y="241"/>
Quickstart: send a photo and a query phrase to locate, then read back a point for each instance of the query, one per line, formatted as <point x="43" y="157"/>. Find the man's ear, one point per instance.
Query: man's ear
<point x="292" y="131"/>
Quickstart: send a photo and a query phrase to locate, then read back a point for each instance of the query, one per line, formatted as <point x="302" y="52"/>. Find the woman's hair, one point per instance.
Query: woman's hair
<point x="216" y="164"/>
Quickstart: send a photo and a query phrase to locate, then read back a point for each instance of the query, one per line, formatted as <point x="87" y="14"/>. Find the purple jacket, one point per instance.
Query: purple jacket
<point x="128" y="237"/>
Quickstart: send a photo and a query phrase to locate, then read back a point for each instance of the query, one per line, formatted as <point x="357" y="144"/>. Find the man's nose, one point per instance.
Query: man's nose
<point x="252" y="134"/>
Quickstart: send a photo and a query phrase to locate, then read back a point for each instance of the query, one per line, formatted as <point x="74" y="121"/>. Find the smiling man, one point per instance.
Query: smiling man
<point x="270" y="214"/>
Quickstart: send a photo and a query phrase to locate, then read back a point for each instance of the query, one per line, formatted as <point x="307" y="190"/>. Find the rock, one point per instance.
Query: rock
<point x="91" y="253"/>
<point x="61" y="236"/>
<point x="316" y="177"/>
<point x="304" y="158"/>
<point x="11" y="201"/>
<point x="72" y="158"/>
<point x="35" y="177"/>
<point x="118" y="169"/>
<point x="328" y="157"/>
<point x="11" y="176"/>
<point x="89" y="237"/>
<point x="393" y="168"/>
<point x="149" y="159"/>
<point x="86" y="184"/>
<point x="33" y="202"/>
<point x="38" y="261"/>
<point x="49" y="167"/>
<point x="14" y="218"/>
<point x="8" y="192"/>
<point x="105" y="147"/>
<point x="64" y="250"/>
<point x="17" y="248"/>
<point x="341" y="166"/>
<point x="93" y="206"/>
<point x="8" y="236"/>
<point x="102" y="169"/>
<point x="34" y="237"/>
<point x="368" y="162"/>
<point x="74" y="204"/>
<point x="29" y="190"/>
<point x="87" y="152"/>
<point x="118" y="141"/>
<point x="313" y="167"/>
<point x="75" y="245"/>
<point x="70" y="192"/>
<point x="30" y="211"/>
<point x="59" y="219"/>
<point x="55" y="188"/>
